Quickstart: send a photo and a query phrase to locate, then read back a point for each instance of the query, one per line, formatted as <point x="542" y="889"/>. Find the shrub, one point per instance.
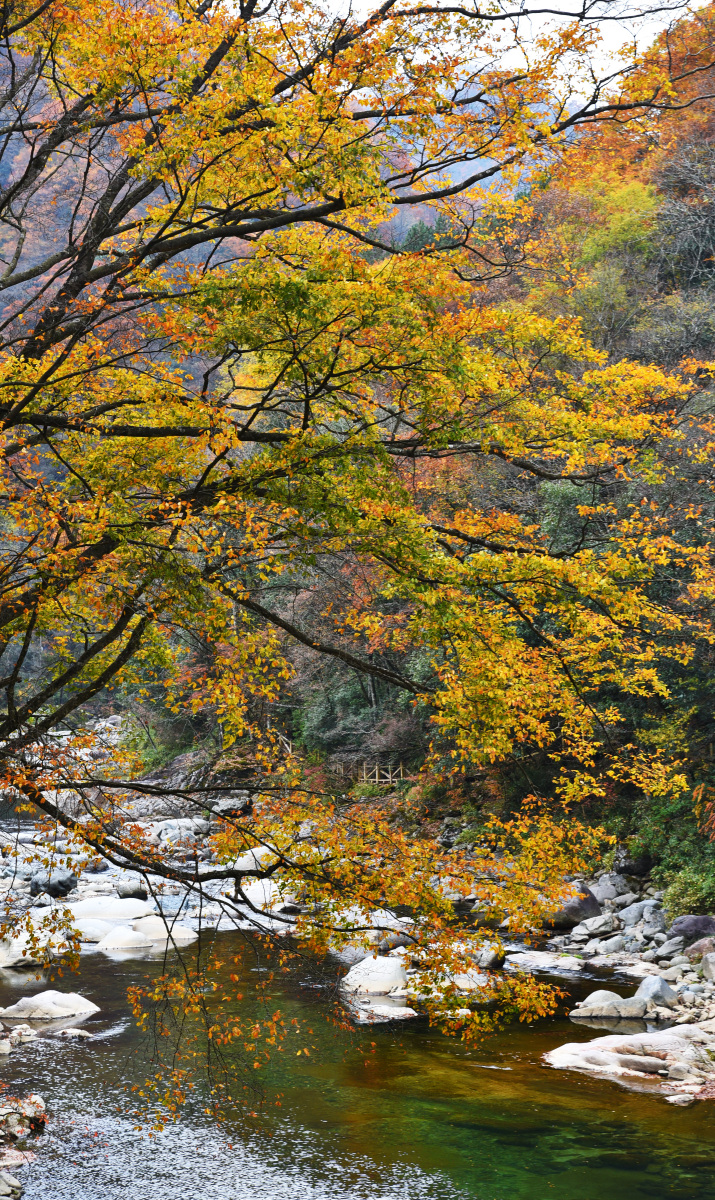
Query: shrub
<point x="692" y="890"/>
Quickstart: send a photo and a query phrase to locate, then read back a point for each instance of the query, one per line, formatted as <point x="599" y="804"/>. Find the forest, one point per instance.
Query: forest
<point x="358" y="420"/>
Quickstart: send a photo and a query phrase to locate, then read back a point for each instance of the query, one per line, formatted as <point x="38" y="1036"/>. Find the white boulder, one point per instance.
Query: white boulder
<point x="50" y="1006"/>
<point x="255" y="860"/>
<point x="544" y="960"/>
<point x="610" y="1005"/>
<point x="158" y="930"/>
<point x="681" y="1059"/>
<point x="121" y="938"/>
<point x="376" y="976"/>
<point x="109" y="908"/>
<point x="656" y="990"/>
<point x="18" y="1117"/>
<point x="374" y="1014"/>
<point x="18" y="951"/>
<point x="470" y="980"/>
<point x="22" y="1033"/>
<point x="262" y="893"/>
<point x="93" y="931"/>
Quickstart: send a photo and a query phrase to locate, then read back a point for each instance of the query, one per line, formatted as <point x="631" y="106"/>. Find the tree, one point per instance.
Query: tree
<point x="211" y="398"/>
<point x="421" y="236"/>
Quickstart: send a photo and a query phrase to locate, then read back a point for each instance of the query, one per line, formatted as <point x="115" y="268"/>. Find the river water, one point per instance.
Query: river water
<point x="415" y="1116"/>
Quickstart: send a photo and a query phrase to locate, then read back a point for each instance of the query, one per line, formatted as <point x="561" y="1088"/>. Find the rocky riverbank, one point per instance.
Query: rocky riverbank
<point x="679" y="1063"/>
<point x="613" y="925"/>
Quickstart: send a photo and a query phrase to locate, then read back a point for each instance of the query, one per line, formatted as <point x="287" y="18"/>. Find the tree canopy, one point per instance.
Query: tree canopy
<point x="241" y="420"/>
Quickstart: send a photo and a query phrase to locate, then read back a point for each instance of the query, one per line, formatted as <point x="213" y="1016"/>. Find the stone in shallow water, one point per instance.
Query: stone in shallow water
<point x="491" y="956"/>
<point x="121" y="938"/>
<point x="93" y="931"/>
<point x="22" y="1033"/>
<point x="50" y="1006"/>
<point x="131" y="889"/>
<point x="55" y="883"/>
<point x="376" y="976"/>
<point x="625" y="1025"/>
<point x="16" y="951"/>
<point x="158" y="930"/>
<point x="607" y="1004"/>
<point x="374" y="1014"/>
<point x="470" y="980"/>
<point x="19" y="1117"/>
<point x="641" y="1062"/>
<point x="107" y="908"/>
<point x="11" y="1182"/>
<point x="656" y="990"/>
<point x="689" y="1046"/>
<point x="544" y="960"/>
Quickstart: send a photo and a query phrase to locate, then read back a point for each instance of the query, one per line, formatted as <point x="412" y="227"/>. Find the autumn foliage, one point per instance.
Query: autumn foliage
<point x="221" y="382"/>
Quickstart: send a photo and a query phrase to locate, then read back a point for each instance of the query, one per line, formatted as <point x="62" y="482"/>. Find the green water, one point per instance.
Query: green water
<point x="420" y="1118"/>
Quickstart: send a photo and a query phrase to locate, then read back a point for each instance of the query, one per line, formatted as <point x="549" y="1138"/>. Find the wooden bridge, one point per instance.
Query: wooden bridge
<point x="364" y="772"/>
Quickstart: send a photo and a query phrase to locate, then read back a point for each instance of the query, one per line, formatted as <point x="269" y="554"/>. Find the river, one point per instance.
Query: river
<point x="420" y="1118"/>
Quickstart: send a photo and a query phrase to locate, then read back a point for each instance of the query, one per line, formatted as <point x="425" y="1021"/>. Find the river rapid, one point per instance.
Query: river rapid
<point x="389" y="1112"/>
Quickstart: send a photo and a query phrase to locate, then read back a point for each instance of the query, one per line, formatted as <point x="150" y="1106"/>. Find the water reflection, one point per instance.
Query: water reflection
<point x="414" y="1116"/>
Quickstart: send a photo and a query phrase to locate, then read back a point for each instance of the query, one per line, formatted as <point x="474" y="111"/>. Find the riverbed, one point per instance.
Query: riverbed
<point x="389" y="1112"/>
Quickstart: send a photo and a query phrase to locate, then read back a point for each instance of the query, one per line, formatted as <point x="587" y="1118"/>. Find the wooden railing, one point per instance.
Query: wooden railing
<point x="369" y="772"/>
<point x="363" y="772"/>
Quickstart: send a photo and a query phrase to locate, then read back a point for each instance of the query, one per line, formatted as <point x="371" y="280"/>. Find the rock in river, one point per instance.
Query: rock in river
<point x="50" y="1006"/>
<point x="376" y="976"/>
<point x="681" y="1061"/>
<point x="54" y="883"/>
<point x="610" y="1005"/>
<point x="18" y="1117"/>
<point x="107" y="908"/>
<point x="93" y="931"/>
<point x="365" y="1013"/>
<point x="19" y="952"/>
<point x="121" y="938"/>
<point x="656" y="991"/>
<point x="581" y="905"/>
<point x="131" y="889"/>
<point x="158" y="930"/>
<point x="9" y="1185"/>
<point x="544" y="960"/>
